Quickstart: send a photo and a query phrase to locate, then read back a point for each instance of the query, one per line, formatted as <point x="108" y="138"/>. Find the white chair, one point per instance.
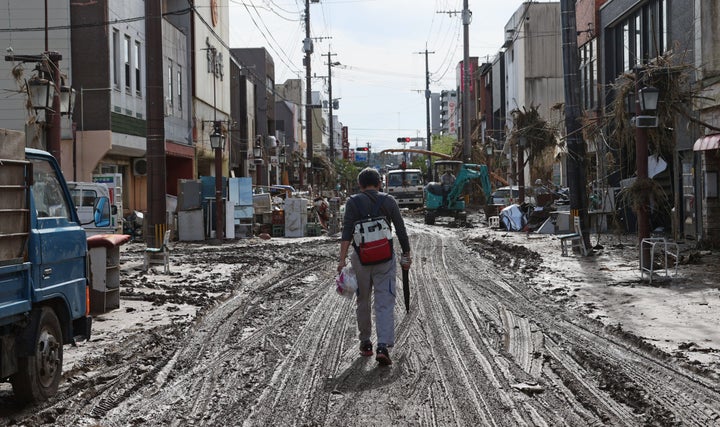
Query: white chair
<point x="494" y="222"/>
<point x="159" y="255"/>
<point x="575" y="239"/>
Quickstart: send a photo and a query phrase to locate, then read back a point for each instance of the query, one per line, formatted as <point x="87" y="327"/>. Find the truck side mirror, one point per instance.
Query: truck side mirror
<point x="101" y="212"/>
<point x="113" y="210"/>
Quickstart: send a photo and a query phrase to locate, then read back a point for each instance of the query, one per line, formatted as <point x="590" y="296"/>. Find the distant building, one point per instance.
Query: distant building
<point x="435" y="122"/>
<point x="449" y="113"/>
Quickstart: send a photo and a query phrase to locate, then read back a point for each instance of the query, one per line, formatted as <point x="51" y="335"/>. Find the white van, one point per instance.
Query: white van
<point x="84" y="195"/>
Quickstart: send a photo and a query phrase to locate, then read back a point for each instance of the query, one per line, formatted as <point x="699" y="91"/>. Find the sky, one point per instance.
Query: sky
<point x="380" y="46"/>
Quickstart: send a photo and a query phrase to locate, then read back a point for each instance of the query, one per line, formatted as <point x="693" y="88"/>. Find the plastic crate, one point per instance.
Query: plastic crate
<point x="312" y="229"/>
<point x="278" y="231"/>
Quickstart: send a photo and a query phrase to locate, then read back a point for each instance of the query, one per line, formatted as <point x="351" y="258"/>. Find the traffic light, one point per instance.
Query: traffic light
<point x="403" y="165"/>
<point x="403" y="139"/>
<point x="362" y="149"/>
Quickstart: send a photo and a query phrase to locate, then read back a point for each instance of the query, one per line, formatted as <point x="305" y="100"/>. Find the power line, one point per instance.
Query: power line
<point x="271" y="36"/>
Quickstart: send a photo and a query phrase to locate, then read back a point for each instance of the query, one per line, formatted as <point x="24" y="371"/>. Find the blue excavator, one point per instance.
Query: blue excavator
<point x="447" y="200"/>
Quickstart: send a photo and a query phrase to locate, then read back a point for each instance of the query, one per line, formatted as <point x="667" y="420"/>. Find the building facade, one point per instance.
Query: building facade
<point x="634" y="35"/>
<point x="707" y="147"/>
<point x="449" y="113"/>
<point x="259" y="67"/>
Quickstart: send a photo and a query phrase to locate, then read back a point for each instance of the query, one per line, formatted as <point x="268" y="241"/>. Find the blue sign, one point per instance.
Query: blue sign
<point x="361" y="156"/>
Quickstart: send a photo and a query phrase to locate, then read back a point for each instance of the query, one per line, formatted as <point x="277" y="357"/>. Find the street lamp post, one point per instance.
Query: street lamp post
<point x="257" y="154"/>
<point x="646" y="99"/>
<point x="522" y="143"/>
<point x="217" y="142"/>
<point x="281" y="161"/>
<point x="330" y="106"/>
<point x="296" y="170"/>
<point x="308" y="169"/>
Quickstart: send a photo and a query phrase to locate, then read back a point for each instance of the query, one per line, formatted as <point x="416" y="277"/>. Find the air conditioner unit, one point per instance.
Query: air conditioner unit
<point x="139" y="167"/>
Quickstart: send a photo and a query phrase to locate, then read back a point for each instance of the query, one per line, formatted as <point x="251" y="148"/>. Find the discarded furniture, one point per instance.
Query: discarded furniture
<point x="190" y="216"/>
<point x="295" y="217"/>
<point x="159" y="255"/>
<point x="241" y="195"/>
<point x="574" y="239"/>
<point x="663" y="249"/>
<point x="104" y="255"/>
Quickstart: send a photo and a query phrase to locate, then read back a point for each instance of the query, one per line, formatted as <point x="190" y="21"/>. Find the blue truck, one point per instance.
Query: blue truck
<point x="44" y="274"/>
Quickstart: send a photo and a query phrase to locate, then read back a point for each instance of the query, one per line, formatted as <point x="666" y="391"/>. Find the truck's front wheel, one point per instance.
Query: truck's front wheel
<point x="38" y="375"/>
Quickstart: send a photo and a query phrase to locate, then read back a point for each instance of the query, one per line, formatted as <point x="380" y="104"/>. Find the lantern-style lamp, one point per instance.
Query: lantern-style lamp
<point x="41" y="93"/>
<point x="216" y="140"/>
<point x="67" y="100"/>
<point x="649" y="99"/>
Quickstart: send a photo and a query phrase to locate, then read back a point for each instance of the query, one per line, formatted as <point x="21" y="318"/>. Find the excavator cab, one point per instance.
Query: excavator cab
<point x="447" y="200"/>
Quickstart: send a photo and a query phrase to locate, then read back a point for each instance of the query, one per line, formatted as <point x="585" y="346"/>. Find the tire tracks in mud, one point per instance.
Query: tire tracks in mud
<point x="480" y="346"/>
<point x="235" y="353"/>
<point x="612" y="377"/>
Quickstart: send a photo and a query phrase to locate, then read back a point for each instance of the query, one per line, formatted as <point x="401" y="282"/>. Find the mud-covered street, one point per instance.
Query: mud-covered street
<point x="253" y="333"/>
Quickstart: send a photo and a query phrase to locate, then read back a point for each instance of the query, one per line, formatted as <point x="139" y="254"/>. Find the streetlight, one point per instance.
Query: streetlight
<point x="282" y="159"/>
<point x="258" y="159"/>
<point x="331" y="107"/>
<point x="217" y="143"/>
<point x="646" y="100"/>
<point x="297" y="176"/>
<point x="522" y="143"/>
<point x="67" y="100"/>
<point x="489" y="149"/>
<point x="311" y="174"/>
<point x="40" y="92"/>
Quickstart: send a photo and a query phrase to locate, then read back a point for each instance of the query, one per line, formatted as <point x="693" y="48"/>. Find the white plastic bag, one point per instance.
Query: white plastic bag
<point x="346" y="282"/>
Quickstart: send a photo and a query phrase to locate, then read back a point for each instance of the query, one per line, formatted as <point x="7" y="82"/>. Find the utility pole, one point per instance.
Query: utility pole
<point x="330" y="104"/>
<point x="308" y="49"/>
<point x="155" y="125"/>
<point x="575" y="143"/>
<point x="466" y="19"/>
<point x="427" y="108"/>
<point x="467" y="146"/>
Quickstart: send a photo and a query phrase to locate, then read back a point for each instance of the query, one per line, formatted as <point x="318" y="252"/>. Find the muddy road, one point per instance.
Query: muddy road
<point x="274" y="345"/>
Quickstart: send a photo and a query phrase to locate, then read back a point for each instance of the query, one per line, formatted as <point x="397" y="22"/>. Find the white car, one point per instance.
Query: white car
<point x="506" y="196"/>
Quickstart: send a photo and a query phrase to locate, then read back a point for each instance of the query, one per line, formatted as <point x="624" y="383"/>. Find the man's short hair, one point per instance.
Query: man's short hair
<point x="369" y="177"/>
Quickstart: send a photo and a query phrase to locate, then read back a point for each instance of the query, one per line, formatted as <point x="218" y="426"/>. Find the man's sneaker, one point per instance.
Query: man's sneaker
<point x="382" y="355"/>
<point x="366" y="349"/>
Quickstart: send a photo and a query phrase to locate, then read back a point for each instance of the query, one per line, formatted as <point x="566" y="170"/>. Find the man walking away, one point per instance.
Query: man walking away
<point x="378" y="277"/>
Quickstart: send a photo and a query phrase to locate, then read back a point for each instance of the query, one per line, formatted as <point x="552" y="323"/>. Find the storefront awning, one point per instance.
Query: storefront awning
<point x="708" y="142"/>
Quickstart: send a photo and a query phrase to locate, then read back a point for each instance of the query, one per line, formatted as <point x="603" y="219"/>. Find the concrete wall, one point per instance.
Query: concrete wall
<point x="533" y="59"/>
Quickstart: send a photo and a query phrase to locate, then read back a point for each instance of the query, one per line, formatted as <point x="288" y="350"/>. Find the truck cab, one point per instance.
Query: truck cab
<point x="44" y="284"/>
<point x="88" y="198"/>
<point x="406" y="186"/>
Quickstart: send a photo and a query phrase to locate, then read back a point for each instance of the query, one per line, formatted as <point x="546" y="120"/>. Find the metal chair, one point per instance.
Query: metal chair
<point x="159" y="255"/>
<point x="575" y="239"/>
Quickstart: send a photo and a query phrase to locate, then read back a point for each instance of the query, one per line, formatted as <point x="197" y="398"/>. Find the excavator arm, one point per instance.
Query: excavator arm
<point x="417" y="151"/>
<point x="467" y="173"/>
